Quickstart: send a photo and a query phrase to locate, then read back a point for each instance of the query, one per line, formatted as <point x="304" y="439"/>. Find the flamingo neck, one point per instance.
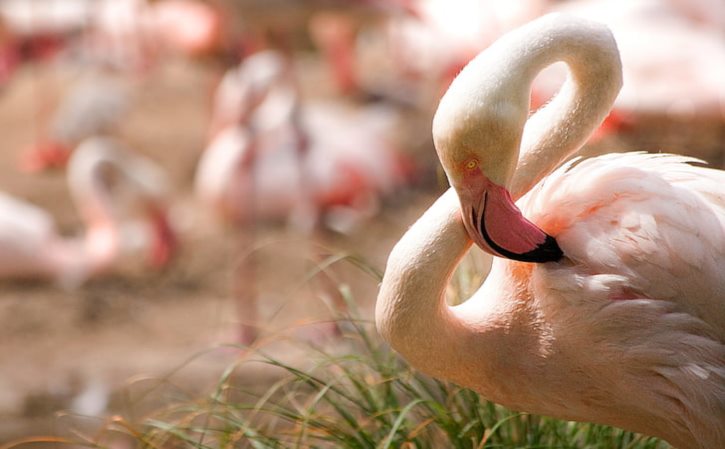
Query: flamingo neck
<point x="411" y="311"/>
<point x="562" y="127"/>
<point x="88" y="174"/>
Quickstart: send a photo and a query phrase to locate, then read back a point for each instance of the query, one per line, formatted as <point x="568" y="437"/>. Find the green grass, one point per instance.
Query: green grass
<point x="362" y="398"/>
<point x="365" y="399"/>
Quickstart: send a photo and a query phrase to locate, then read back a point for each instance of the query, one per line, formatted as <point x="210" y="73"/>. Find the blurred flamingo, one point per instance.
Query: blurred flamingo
<point x="619" y="319"/>
<point x="128" y="35"/>
<point x="95" y="104"/>
<point x="273" y="158"/>
<point x="673" y="66"/>
<point x="301" y="161"/>
<point x="101" y="30"/>
<point x="429" y="39"/>
<point x="107" y="183"/>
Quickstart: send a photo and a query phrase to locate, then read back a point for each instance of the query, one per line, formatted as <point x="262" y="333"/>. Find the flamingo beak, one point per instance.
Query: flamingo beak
<point x="496" y="225"/>
<point x="45" y="156"/>
<point x="164" y="242"/>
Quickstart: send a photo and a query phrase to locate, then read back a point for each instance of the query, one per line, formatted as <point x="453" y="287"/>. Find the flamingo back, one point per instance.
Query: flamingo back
<point x="655" y="221"/>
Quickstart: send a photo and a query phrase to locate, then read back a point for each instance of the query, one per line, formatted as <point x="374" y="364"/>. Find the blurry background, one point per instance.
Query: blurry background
<point x="235" y="150"/>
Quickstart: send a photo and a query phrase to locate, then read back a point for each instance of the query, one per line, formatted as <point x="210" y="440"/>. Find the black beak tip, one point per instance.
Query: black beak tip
<point x="549" y="251"/>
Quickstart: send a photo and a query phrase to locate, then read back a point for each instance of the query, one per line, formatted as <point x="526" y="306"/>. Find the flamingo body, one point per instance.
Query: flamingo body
<point x="96" y="104"/>
<point x="26" y="233"/>
<point x="32" y="247"/>
<point x="342" y="168"/>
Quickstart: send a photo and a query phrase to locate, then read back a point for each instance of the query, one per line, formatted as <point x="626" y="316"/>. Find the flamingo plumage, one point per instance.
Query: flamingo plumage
<point x="108" y="183"/>
<point x="620" y="319"/>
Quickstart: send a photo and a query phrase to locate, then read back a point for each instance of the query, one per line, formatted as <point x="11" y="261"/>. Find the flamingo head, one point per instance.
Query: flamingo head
<point x="477" y="137"/>
<point x="44" y="156"/>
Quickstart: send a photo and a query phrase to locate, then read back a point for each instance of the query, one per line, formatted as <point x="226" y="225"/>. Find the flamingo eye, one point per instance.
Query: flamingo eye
<point x="471" y="164"/>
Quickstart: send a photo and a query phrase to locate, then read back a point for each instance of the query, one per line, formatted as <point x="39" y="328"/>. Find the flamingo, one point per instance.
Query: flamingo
<point x="109" y="29"/>
<point x="426" y="40"/>
<point x="664" y="79"/>
<point x="605" y="304"/>
<point x="273" y="158"/>
<point x="305" y="159"/>
<point x="100" y="172"/>
<point x="127" y="34"/>
<point x="95" y="104"/>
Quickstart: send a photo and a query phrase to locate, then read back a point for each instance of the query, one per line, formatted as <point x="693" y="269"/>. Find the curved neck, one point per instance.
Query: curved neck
<point x="97" y="166"/>
<point x="411" y="312"/>
<point x="562" y="127"/>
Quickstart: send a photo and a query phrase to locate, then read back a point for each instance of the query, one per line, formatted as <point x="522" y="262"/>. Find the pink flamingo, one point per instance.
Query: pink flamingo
<point x="109" y="30"/>
<point x="127" y="34"/>
<point x="619" y="319"/>
<point x="95" y="104"/>
<point x="273" y="158"/>
<point x="427" y="40"/>
<point x="99" y="173"/>
<point x="305" y="159"/>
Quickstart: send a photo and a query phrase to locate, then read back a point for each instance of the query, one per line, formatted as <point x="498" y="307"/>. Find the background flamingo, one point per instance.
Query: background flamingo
<point x="96" y="103"/>
<point x="127" y="34"/>
<point x="274" y="158"/>
<point x="108" y="184"/>
<point x="626" y="327"/>
<point x="666" y="83"/>
<point x="425" y="43"/>
<point x="303" y="159"/>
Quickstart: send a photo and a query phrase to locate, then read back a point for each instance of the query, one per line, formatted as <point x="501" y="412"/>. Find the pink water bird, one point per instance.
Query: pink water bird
<point x="274" y="157"/>
<point x="95" y="104"/>
<point x="619" y="319"/>
<point x="423" y="39"/>
<point x="127" y="34"/>
<point x="105" y="30"/>
<point x="109" y="184"/>
<point x="673" y="64"/>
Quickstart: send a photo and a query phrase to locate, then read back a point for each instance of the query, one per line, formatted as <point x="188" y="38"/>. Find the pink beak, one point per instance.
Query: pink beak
<point x="496" y="225"/>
